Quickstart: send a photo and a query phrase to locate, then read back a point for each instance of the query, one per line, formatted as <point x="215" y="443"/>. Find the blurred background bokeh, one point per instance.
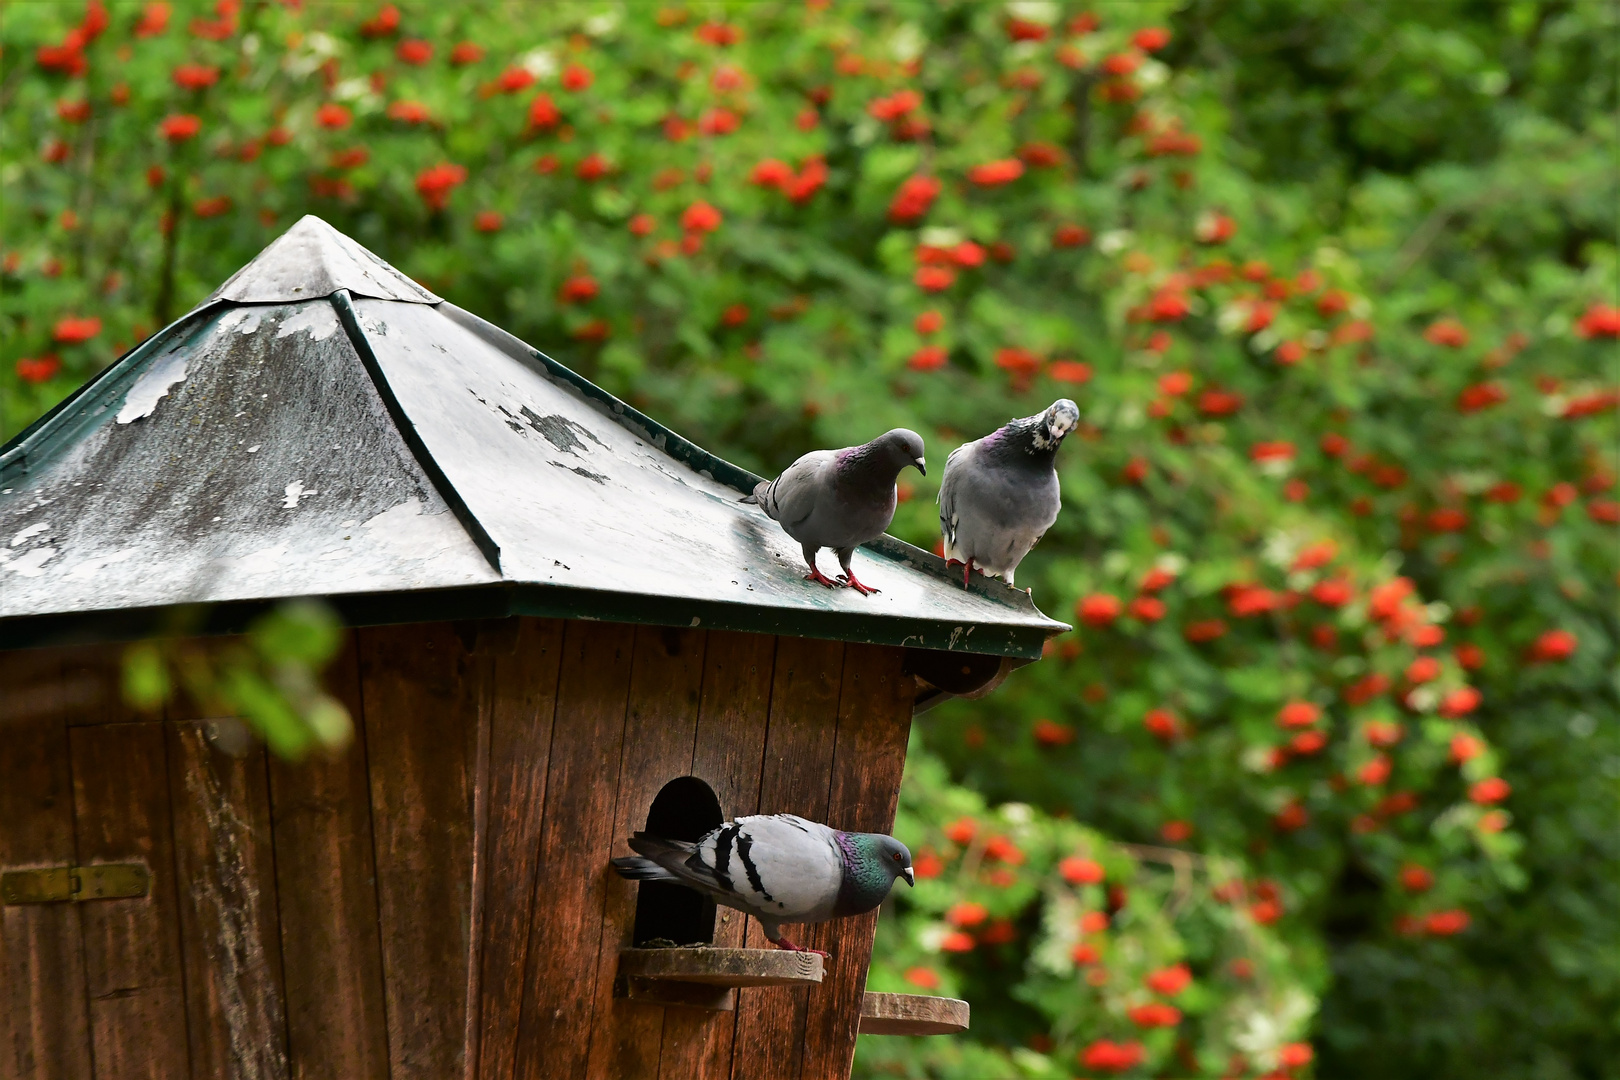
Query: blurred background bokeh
<point x="1326" y="781"/>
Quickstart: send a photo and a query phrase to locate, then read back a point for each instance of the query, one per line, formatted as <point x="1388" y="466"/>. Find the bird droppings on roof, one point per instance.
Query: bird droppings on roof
<point x="295" y="491"/>
<point x="153" y="386"/>
<point x="242" y="320"/>
<point x="90" y="567"/>
<point x="30" y="564"/>
<point x="319" y="319"/>
<point x="30" y="532"/>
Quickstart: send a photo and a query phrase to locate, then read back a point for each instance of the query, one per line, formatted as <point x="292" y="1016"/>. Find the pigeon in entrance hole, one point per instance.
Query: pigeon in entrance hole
<point x="999" y="494"/>
<point x="840" y="499"/>
<point x="778" y="868"/>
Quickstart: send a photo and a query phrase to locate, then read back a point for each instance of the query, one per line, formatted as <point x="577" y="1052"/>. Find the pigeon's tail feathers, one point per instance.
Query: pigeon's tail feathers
<point x="638" y="869"/>
<point x="653" y="858"/>
<point x="761" y="495"/>
<point x="656" y="847"/>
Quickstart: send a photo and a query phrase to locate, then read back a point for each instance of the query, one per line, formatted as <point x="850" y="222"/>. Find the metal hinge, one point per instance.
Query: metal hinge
<point x="51" y="884"/>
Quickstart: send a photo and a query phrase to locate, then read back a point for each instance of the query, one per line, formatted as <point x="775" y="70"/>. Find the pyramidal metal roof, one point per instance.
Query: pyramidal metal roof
<point x="322" y="425"/>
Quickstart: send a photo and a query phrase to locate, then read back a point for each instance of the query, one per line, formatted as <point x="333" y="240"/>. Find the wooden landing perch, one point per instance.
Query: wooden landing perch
<point x="706" y="978"/>
<point x="912" y="1014"/>
<point x="723" y="967"/>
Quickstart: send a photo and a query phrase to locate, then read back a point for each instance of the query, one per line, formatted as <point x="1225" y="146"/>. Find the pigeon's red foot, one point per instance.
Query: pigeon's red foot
<point x="967" y="572"/>
<point x="784" y="943"/>
<point x="848" y="578"/>
<point x="819" y="578"/>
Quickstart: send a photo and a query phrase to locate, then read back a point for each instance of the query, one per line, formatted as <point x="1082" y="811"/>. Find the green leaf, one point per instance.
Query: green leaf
<point x="145" y="676"/>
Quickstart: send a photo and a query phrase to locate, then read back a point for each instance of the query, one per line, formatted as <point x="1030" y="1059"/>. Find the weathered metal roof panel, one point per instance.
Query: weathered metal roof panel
<point x="575" y="498"/>
<point x="251" y="458"/>
<point x="311" y="260"/>
<point x="412" y="461"/>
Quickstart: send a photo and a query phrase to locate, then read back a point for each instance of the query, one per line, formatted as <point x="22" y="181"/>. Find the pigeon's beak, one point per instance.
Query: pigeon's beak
<point x="910" y="879"/>
<point x="922" y="466"/>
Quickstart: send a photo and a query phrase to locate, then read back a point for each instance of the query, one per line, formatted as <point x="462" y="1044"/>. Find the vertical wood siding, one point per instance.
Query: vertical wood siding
<point x="728" y="753"/>
<point x="43" y="1012"/>
<point x="666" y="680"/>
<point x="436" y="901"/>
<point x="326" y="887"/>
<point x="133" y="966"/>
<point x="523" y="702"/>
<point x="229" y="929"/>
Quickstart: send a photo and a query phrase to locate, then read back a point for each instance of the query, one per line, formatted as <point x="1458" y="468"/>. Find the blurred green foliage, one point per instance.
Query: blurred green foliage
<point x="269" y="677"/>
<point x="1335" y="286"/>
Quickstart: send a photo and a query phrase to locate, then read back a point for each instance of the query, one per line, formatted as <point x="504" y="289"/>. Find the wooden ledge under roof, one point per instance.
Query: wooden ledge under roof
<point x="324" y="426"/>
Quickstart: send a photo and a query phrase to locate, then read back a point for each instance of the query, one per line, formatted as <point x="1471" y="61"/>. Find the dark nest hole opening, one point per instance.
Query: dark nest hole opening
<point x="685" y="809"/>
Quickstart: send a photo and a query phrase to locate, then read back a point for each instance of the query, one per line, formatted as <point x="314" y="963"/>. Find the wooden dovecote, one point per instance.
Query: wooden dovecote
<point x="561" y="622"/>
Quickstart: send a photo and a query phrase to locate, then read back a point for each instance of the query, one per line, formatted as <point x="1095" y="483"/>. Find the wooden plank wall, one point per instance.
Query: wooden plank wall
<point x="43" y="1009"/>
<point x="437" y="901"/>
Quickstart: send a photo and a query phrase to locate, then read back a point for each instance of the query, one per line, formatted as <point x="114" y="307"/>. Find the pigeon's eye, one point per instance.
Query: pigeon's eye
<point x="897" y="856"/>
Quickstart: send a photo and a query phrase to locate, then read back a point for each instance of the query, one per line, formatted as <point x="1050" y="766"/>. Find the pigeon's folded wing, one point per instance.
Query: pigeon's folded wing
<point x="792" y="497"/>
<point x="778" y="865"/>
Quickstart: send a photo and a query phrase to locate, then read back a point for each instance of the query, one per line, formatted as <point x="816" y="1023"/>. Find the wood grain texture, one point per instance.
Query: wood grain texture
<point x="44" y="1026"/>
<point x="874" y="721"/>
<point x="421" y="698"/>
<point x="72" y="684"/>
<point x="523" y="703"/>
<point x="794" y="780"/>
<point x="133" y="962"/>
<point x="326" y="884"/>
<point x="473" y="963"/>
<point x="733" y="716"/>
<point x="666" y="678"/>
<point x="912" y="1014"/>
<point x="576" y="839"/>
<point x="723" y="967"/>
<point x="229" y="930"/>
<point x="91" y="685"/>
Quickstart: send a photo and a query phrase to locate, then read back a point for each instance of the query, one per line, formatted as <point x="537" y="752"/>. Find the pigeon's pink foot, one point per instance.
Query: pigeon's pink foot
<point x="849" y="579"/>
<point x="784" y="943"/>
<point x="819" y="578"/>
<point x="967" y="572"/>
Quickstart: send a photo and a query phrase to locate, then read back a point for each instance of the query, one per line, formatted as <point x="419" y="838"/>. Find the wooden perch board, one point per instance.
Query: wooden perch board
<point x="723" y="967"/>
<point x="912" y="1014"/>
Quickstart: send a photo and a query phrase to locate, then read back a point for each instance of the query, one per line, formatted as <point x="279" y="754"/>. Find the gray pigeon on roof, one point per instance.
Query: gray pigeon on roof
<point x="1000" y="494"/>
<point x="840" y="499"/>
<point x="778" y="868"/>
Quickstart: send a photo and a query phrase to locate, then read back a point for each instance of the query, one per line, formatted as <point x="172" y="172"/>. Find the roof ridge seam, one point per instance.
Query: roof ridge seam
<point x="344" y="303"/>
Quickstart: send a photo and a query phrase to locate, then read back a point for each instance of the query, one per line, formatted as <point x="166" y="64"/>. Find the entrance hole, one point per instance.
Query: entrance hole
<point x="685" y="809"/>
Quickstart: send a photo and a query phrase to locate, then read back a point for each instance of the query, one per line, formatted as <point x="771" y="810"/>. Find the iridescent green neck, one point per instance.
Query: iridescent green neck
<point x="866" y="879"/>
